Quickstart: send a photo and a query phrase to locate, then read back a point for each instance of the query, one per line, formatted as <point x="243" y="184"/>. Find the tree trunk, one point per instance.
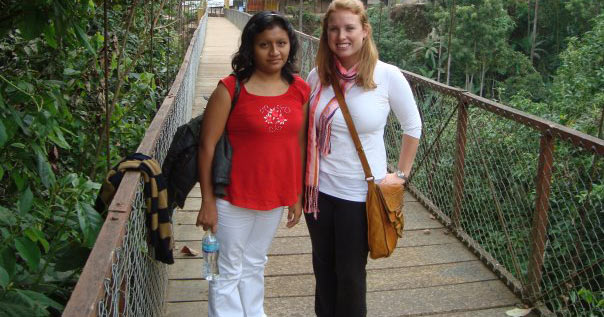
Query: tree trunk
<point x="528" y="19"/>
<point x="379" y="32"/>
<point x="467" y="80"/>
<point x="282" y="5"/>
<point x="482" y="73"/>
<point x="493" y="89"/>
<point x="534" y="36"/>
<point x="452" y="24"/>
<point x="300" y="16"/>
<point x="440" y="49"/>
<point x="601" y="124"/>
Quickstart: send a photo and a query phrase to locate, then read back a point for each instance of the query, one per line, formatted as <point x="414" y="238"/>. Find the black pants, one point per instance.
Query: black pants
<point x="339" y="256"/>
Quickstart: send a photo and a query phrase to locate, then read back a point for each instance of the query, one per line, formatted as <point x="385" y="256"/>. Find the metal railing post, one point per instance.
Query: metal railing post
<point x="539" y="227"/>
<point x="460" y="157"/>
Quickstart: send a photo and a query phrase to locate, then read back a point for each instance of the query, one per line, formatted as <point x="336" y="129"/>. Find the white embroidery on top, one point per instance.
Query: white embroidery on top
<point x="275" y="117"/>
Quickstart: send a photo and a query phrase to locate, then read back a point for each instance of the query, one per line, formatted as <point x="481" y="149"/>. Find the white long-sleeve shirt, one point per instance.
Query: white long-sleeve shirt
<point x="341" y="173"/>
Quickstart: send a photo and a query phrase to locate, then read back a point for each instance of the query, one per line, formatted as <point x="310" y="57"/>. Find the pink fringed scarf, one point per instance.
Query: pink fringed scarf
<point x="319" y="135"/>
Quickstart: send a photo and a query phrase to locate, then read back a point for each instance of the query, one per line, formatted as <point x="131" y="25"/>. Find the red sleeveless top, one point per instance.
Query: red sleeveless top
<point x="266" y="170"/>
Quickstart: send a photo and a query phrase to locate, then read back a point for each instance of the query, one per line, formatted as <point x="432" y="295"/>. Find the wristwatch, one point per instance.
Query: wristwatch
<point x="400" y="174"/>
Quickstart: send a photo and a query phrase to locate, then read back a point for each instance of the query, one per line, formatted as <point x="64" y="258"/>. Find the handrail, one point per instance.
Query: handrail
<point x="101" y="271"/>
<point x="578" y="138"/>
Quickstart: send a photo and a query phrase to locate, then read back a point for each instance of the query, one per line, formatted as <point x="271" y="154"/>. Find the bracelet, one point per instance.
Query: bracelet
<point x="400" y="174"/>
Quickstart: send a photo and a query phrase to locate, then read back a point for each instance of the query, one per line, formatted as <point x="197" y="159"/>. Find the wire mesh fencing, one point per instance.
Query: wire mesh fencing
<point x="237" y="17"/>
<point x="121" y="276"/>
<point x="137" y="282"/>
<point x="308" y="46"/>
<point x="523" y="193"/>
<point x="573" y="250"/>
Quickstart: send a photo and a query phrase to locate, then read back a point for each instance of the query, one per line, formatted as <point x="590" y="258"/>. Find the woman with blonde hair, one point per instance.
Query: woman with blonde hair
<point x="335" y="185"/>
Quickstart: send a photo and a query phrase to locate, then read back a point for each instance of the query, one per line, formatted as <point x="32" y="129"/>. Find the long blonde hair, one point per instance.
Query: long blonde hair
<point x="369" y="54"/>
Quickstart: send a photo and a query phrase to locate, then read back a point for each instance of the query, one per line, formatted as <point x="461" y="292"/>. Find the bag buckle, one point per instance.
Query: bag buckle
<point x="370" y="178"/>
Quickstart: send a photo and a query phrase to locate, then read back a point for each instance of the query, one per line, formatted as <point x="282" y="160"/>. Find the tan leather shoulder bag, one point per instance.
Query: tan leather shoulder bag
<point x="384" y="203"/>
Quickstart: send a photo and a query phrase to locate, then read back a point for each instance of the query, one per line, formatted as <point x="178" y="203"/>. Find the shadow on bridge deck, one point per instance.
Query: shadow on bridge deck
<point x="430" y="273"/>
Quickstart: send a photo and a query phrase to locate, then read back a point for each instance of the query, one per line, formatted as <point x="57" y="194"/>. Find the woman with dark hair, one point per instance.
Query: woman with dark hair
<point x="267" y="132"/>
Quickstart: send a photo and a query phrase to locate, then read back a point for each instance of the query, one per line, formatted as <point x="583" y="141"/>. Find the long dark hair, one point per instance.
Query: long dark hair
<point x="243" y="60"/>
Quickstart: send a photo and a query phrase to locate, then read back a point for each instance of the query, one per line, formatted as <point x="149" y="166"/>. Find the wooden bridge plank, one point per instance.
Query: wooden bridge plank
<point x="297" y="245"/>
<point x="303" y="306"/>
<point x="215" y="68"/>
<point x="377" y="280"/>
<point x="416" y="218"/>
<point x="480" y="313"/>
<point x="213" y="58"/>
<point x="401" y="258"/>
<point x="301" y="263"/>
<point x="196" y="193"/>
<point x="211" y="78"/>
<point x="285" y="245"/>
<point x="188" y="290"/>
<point x="413" y="302"/>
<point x="193" y="201"/>
<point x="192" y="204"/>
<point x="184" y="309"/>
<point x="200" y="308"/>
<point x="389" y="279"/>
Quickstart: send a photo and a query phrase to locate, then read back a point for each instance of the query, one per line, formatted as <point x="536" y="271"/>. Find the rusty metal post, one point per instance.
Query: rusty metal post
<point x="300" y="10"/>
<point x="460" y="157"/>
<point x="181" y="23"/>
<point x="106" y="84"/>
<point x="539" y="228"/>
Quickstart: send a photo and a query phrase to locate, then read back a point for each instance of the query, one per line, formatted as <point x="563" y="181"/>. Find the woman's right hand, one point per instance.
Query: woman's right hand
<point x="208" y="216"/>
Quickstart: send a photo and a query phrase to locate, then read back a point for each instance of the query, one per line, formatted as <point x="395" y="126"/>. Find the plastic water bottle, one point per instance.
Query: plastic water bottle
<point x="209" y="245"/>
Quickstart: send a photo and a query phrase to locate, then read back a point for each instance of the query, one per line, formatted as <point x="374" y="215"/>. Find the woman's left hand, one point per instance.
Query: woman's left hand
<point x="391" y="178"/>
<point x="293" y="214"/>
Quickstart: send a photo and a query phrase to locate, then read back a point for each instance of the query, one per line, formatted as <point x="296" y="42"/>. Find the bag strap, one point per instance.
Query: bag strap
<point x="236" y="94"/>
<point x="351" y="128"/>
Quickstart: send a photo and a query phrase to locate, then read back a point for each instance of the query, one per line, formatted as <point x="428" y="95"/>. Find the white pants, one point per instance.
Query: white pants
<point x="244" y="236"/>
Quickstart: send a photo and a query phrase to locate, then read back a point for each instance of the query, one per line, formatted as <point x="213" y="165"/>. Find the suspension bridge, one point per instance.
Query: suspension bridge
<point x="476" y="243"/>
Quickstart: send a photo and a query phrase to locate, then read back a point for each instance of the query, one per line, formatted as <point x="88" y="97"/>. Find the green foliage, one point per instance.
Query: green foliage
<point x="311" y="22"/>
<point x="52" y="147"/>
<point x="593" y="299"/>
<point x="490" y="45"/>
<point x="578" y="89"/>
<point x="390" y="39"/>
<point x="38" y="233"/>
<point x="414" y="20"/>
<point x="518" y="77"/>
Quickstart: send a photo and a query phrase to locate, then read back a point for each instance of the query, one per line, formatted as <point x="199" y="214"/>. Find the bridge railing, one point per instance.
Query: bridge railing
<point x="121" y="277"/>
<point x="523" y="193"/>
